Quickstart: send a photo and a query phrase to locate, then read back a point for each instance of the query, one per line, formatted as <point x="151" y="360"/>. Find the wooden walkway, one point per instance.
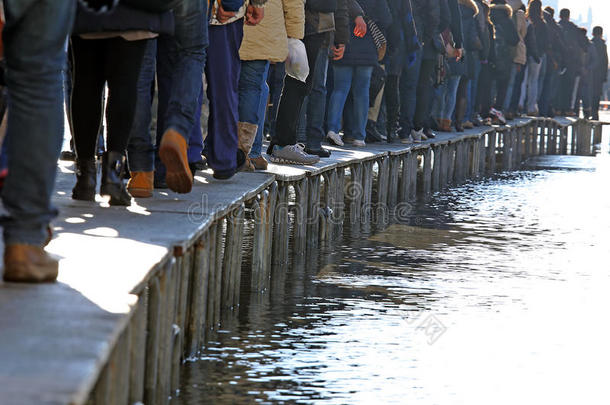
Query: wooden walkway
<point x="140" y="288"/>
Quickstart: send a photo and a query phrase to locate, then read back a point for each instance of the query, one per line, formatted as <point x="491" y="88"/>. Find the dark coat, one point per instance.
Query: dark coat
<point x="506" y="37"/>
<point x="362" y="51"/>
<point x="542" y="37"/>
<point x="122" y="18"/>
<point x="401" y="36"/>
<point x="531" y="44"/>
<point x="427" y="14"/>
<point x="472" y="44"/>
<point x="556" y="51"/>
<point x="575" y="45"/>
<point x="602" y="52"/>
<point x="483" y="31"/>
<point x="328" y="16"/>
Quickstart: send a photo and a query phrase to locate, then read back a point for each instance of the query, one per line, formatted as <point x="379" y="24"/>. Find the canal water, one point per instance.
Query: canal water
<point x="492" y="292"/>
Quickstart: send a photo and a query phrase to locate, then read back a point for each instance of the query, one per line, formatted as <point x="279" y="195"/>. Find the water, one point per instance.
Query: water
<point x="495" y="292"/>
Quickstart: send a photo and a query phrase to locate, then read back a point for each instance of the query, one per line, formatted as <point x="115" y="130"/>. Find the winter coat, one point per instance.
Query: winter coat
<point x="427" y="14"/>
<point x="401" y="36"/>
<point x="575" y="45"/>
<point x="602" y="51"/>
<point x="362" y="51"/>
<point x="268" y="40"/>
<point x="505" y="38"/>
<point x="557" y="45"/>
<point x="328" y="16"/>
<point x="531" y="43"/>
<point x="472" y="44"/>
<point x="482" y="31"/>
<point x="121" y="19"/>
<point x="520" y="55"/>
<point x="542" y="37"/>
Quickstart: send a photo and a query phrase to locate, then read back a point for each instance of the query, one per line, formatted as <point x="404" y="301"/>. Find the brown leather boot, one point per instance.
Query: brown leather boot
<point x="260" y="163"/>
<point x="173" y="155"/>
<point x="29" y="264"/>
<point x="248" y="166"/>
<point x="140" y="185"/>
<point x="246" y="133"/>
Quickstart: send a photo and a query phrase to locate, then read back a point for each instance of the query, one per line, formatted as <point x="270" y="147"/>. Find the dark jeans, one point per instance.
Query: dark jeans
<point x="409" y="97"/>
<point x="597" y="88"/>
<point x="549" y="90"/>
<point x="222" y="74"/>
<point x="96" y="62"/>
<point x="253" y="93"/>
<point x="275" y="80"/>
<point x="141" y="151"/>
<point x="180" y="63"/>
<point x="566" y="89"/>
<point x="35" y="50"/>
<point x="294" y="94"/>
<point x="484" y="90"/>
<point x="316" y="101"/>
<point x="424" y="94"/>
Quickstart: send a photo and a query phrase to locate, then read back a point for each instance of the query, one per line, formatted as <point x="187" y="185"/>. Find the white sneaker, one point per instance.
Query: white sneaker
<point x="335" y="138"/>
<point x="407" y="140"/>
<point x="417" y="135"/>
<point x="356" y="142"/>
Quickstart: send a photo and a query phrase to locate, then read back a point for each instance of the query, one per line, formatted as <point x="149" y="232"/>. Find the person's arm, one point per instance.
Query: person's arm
<point x="342" y="23"/>
<point x="294" y="18"/>
<point x="605" y="62"/>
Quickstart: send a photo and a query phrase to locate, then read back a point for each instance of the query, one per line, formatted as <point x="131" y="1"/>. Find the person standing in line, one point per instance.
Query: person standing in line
<point x="535" y="65"/>
<point x="601" y="74"/>
<point x="35" y="38"/>
<point x="263" y="44"/>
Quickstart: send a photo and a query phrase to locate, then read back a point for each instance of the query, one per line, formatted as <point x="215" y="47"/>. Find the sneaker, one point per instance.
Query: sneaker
<point x="323" y="153"/>
<point x="355" y="142"/>
<point x="467" y="125"/>
<point x="293" y="154"/>
<point x="417" y="135"/>
<point x="499" y="115"/>
<point x="334" y="138"/>
<point x="406" y="140"/>
<point x="429" y="133"/>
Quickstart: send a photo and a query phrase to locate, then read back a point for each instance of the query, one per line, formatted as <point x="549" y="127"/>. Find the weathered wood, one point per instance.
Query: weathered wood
<point x="394" y="170"/>
<point x="313" y="211"/>
<point x="427" y="171"/>
<point x="137" y="349"/>
<point x="281" y="224"/>
<point x="301" y="188"/>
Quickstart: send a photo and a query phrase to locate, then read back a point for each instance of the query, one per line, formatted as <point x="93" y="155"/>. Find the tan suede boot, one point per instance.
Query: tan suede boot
<point x="173" y="155"/>
<point x="140" y="185"/>
<point x="246" y="133"/>
<point x="29" y="264"/>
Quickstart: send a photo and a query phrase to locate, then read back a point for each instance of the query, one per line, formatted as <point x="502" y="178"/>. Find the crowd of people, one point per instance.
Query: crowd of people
<point x="379" y="71"/>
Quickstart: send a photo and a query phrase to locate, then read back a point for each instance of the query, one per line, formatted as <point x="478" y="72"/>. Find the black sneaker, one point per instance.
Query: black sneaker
<point x="198" y="166"/>
<point x="429" y="134"/>
<point x="372" y="134"/>
<point x="323" y="153"/>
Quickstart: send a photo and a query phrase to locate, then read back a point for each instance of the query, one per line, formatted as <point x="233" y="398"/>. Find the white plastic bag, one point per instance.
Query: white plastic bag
<point x="297" y="65"/>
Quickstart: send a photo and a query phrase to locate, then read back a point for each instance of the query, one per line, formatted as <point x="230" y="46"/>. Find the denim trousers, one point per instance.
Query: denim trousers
<point x="315" y="107"/>
<point x="180" y="63"/>
<point x="443" y="105"/>
<point x="510" y="89"/>
<point x="275" y="84"/>
<point x="253" y="93"/>
<point x="532" y="84"/>
<point x="222" y="73"/>
<point x="472" y="92"/>
<point x="35" y="38"/>
<point x="355" y="80"/>
<point x="408" y="82"/>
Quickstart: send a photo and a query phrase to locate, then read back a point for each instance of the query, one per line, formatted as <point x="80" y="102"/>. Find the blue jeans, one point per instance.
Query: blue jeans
<point x="253" y="93"/>
<point x="444" y="101"/>
<point x="180" y="63"/>
<point x="473" y="88"/>
<point x="275" y="82"/>
<point x="141" y="151"/>
<point x="408" y="92"/>
<point x="316" y="102"/>
<point x="532" y="84"/>
<point x="510" y="89"/>
<point x="358" y="80"/>
<point x="35" y="49"/>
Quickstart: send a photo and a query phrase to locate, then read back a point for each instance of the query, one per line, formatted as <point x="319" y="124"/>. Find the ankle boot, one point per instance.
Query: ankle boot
<point x="113" y="170"/>
<point x="86" y="179"/>
<point x="246" y="134"/>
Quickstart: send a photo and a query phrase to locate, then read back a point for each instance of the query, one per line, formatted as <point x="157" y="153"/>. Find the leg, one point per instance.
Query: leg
<point x="316" y="103"/>
<point x="360" y="89"/>
<point x="252" y="82"/>
<point x="35" y="39"/>
<point x="408" y="94"/>
<point x="342" y="84"/>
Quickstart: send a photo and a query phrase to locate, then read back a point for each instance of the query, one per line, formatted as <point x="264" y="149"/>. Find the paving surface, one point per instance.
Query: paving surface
<point x="55" y="338"/>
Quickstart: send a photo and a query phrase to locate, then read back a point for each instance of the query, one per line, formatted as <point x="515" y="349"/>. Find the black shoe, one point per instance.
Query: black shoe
<point x="393" y="133"/>
<point x="198" y="166"/>
<point x="372" y="133"/>
<point x="428" y="132"/>
<point x="323" y="153"/>
<point x="227" y="174"/>
<point x="113" y="172"/>
<point x="160" y="183"/>
<point x="86" y="180"/>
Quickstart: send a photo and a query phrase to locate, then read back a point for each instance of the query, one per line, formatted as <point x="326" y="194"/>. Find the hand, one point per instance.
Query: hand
<point x="360" y="29"/>
<point x="223" y="16"/>
<point x="254" y="15"/>
<point x="458" y="54"/>
<point x="338" y="51"/>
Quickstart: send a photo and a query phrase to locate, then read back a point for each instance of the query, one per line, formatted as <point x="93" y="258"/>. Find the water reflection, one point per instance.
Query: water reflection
<point x="492" y="292"/>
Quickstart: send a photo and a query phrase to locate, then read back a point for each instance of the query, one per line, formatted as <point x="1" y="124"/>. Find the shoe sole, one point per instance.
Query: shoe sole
<point x="178" y="176"/>
<point x="284" y="161"/>
<point x="140" y="192"/>
<point x="332" y="141"/>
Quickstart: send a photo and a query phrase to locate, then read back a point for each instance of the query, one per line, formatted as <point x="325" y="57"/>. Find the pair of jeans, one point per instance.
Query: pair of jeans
<point x="533" y="69"/>
<point x="357" y="80"/>
<point x="443" y="105"/>
<point x="471" y="93"/>
<point x="222" y="73"/>
<point x="180" y="62"/>
<point x="293" y="97"/>
<point x="141" y="151"/>
<point x="35" y="38"/>
<point x="424" y="94"/>
<point x="511" y="88"/>
<point x="275" y="83"/>
<point x="315" y="111"/>
<point x="253" y="93"/>
<point x="408" y="85"/>
<point x="549" y="89"/>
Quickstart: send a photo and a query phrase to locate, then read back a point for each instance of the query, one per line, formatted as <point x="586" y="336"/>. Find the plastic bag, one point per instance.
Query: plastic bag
<point x="297" y="65"/>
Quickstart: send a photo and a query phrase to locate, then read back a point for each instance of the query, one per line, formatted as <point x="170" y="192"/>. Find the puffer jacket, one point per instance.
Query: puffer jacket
<point x="505" y="38"/>
<point x="268" y="40"/>
<point x="362" y="51"/>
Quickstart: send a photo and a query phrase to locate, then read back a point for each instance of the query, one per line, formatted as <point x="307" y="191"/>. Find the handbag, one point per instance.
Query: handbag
<point x="378" y="38"/>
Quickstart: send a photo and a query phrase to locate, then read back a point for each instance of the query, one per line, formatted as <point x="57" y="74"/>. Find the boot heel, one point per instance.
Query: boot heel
<point x="86" y="179"/>
<point x="113" y="171"/>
